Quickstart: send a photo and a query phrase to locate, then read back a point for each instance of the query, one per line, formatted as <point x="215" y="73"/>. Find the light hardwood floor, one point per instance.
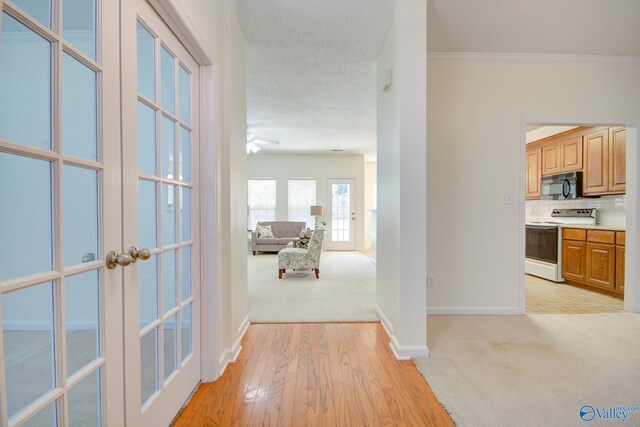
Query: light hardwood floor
<point x="545" y="297"/>
<point x="320" y="374"/>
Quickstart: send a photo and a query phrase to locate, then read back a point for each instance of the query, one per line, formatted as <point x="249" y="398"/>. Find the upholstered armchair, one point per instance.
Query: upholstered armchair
<point x="302" y="259"/>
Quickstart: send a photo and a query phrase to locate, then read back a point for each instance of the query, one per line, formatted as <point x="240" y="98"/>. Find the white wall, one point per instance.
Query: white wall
<point x="370" y="198"/>
<point x="474" y="157"/>
<point x="402" y="196"/>
<point x="318" y="166"/>
<point x="236" y="134"/>
<point x="218" y="25"/>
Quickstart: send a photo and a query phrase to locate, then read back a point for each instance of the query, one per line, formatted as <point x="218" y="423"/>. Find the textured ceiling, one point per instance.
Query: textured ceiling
<point x="311" y="71"/>
<point x="586" y="27"/>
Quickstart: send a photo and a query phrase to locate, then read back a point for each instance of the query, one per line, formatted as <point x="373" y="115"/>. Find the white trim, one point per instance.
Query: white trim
<point x="545" y="58"/>
<point x="18" y="325"/>
<point x="474" y="311"/>
<point x="383" y="319"/>
<point x="407" y="352"/>
<point x="242" y="329"/>
<point x="177" y="19"/>
<point x="401" y="352"/>
<point x="231" y="354"/>
<point x="209" y="251"/>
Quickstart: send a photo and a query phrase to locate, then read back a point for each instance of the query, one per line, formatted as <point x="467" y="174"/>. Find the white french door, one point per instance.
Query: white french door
<point x="60" y="213"/>
<point x="97" y="159"/>
<point x="160" y="201"/>
<point x="341" y="214"/>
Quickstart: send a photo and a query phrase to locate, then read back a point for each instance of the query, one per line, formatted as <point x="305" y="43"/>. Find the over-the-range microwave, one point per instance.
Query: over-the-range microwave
<point x="562" y="186"/>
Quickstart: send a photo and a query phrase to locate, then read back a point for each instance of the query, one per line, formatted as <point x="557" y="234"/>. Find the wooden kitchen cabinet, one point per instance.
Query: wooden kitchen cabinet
<point x="620" y="250"/>
<point x="601" y="265"/>
<point x="551" y="159"/>
<point x="533" y="173"/>
<point x="594" y="258"/>
<point x="596" y="163"/>
<point x="598" y="152"/>
<point x="574" y="260"/>
<point x="562" y="156"/>
<point x="571" y="154"/>
<point x="617" y="160"/>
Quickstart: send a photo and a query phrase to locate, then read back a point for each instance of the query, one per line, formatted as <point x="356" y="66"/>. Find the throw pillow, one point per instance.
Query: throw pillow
<point x="308" y="233"/>
<point x="265" y="231"/>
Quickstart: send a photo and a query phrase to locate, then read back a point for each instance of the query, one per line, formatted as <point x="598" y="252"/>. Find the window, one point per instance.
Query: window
<point x="302" y="194"/>
<point x="262" y="201"/>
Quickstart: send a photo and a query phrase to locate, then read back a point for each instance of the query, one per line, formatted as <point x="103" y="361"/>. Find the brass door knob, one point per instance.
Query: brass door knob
<point x="136" y="254"/>
<point x="113" y="260"/>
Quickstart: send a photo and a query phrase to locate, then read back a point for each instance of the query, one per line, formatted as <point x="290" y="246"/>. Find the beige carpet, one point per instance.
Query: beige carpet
<point x="533" y="370"/>
<point x="345" y="292"/>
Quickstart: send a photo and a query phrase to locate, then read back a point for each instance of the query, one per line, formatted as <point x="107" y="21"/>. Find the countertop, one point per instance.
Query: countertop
<point x="595" y="227"/>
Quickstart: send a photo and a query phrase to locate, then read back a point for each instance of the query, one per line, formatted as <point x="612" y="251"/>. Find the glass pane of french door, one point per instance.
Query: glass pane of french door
<point x="58" y="302"/>
<point x="160" y="110"/>
<point x="341" y="214"/>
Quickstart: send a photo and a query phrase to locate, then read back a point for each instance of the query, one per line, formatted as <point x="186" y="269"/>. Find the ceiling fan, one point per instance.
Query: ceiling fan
<point x="253" y="143"/>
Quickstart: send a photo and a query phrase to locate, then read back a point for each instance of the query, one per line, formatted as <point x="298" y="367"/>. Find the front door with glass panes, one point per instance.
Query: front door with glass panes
<point x="60" y="213"/>
<point x="160" y="145"/>
<point x="98" y="248"/>
<point x="341" y="213"/>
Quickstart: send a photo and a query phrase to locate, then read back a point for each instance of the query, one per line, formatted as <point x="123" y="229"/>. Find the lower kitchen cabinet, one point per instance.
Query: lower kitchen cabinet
<point x="601" y="265"/>
<point x="620" y="268"/>
<point x="574" y="260"/>
<point x="595" y="258"/>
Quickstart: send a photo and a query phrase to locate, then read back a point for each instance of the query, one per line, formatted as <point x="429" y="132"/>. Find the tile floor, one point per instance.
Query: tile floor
<point x="545" y="297"/>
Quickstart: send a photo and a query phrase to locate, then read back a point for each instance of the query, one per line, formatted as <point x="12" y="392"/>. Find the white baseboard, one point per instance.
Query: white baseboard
<point x="401" y="352"/>
<point x="474" y="311"/>
<point x="385" y="322"/>
<point x="230" y="355"/>
<point x="406" y="352"/>
<point x="244" y="326"/>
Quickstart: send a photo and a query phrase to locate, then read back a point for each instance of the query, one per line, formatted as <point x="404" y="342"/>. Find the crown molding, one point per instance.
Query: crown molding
<point x="535" y="58"/>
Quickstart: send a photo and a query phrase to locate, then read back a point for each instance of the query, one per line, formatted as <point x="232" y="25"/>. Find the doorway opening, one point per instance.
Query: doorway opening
<point x="575" y="218"/>
<point x="312" y="144"/>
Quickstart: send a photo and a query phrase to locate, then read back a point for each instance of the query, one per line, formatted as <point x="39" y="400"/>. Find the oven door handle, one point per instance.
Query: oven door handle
<point x="566" y="188"/>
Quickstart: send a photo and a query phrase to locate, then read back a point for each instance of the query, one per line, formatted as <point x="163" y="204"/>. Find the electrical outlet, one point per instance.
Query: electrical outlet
<point x="430" y="282"/>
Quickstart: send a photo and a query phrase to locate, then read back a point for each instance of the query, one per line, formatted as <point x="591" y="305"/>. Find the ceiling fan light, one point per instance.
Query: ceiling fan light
<point x="252" y="148"/>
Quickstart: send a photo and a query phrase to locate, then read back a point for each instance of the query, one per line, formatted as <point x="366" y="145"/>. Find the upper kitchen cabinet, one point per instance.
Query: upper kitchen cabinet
<point x="571" y="154"/>
<point x="551" y="159"/>
<point x="598" y="152"/>
<point x="596" y="162"/>
<point x="562" y="155"/>
<point x="617" y="160"/>
<point x="533" y="173"/>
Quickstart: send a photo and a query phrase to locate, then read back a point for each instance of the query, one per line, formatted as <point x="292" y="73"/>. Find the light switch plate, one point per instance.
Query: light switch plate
<point x="508" y="198"/>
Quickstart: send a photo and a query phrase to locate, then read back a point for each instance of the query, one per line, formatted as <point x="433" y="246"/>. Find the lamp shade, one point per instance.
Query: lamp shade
<point x="315" y="210"/>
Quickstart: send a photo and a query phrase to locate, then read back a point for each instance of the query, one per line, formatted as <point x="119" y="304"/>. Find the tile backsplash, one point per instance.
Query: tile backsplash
<point x="611" y="209"/>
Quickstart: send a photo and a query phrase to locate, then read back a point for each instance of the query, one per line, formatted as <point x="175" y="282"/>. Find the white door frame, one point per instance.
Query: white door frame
<point x="211" y="149"/>
<point x="632" y="269"/>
